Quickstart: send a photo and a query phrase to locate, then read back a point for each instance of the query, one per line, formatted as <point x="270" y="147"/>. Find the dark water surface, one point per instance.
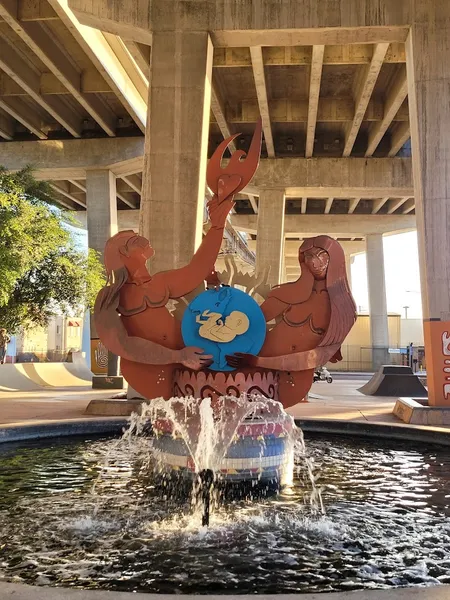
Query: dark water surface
<point x="387" y="523"/>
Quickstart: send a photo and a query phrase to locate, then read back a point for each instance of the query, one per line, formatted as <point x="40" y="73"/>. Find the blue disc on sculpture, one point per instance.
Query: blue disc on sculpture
<point x="222" y="322"/>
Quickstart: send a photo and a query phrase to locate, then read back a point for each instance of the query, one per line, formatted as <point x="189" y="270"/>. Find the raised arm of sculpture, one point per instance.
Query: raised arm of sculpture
<point x="180" y="282"/>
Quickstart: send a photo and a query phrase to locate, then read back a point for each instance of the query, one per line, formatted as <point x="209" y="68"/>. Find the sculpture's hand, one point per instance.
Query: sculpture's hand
<point x="240" y="359"/>
<point x="218" y="211"/>
<point x="194" y="358"/>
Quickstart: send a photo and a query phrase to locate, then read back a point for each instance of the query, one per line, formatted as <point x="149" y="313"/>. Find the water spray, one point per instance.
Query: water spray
<point x="206" y="477"/>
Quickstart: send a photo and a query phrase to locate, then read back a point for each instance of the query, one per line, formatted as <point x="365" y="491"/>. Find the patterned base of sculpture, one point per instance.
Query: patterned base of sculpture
<point x="201" y="384"/>
<point x="259" y="451"/>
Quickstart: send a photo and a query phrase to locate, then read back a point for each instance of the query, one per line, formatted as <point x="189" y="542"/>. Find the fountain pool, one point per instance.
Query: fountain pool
<point x="387" y="522"/>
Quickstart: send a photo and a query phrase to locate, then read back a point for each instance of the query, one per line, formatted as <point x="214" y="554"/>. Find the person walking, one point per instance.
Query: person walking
<point x="4" y="341"/>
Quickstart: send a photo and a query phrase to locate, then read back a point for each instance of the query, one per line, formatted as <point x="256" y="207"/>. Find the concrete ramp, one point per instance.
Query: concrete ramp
<point x="14" y="378"/>
<point x="38" y="376"/>
<point x="394" y="381"/>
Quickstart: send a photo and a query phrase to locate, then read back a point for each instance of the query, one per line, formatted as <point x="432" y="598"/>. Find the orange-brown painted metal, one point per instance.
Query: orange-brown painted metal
<point x="314" y="315"/>
<point x="131" y="315"/>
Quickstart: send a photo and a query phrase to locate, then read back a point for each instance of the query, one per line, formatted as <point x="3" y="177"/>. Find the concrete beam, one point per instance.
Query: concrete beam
<point x="293" y="24"/>
<point x="6" y="126"/>
<point x="353" y="204"/>
<point x="289" y="35"/>
<point x="91" y="82"/>
<point x="141" y="55"/>
<point x="134" y="181"/>
<point x="333" y="225"/>
<point x="36" y="10"/>
<point x="355" y="54"/>
<point x="18" y="109"/>
<point x="300" y="177"/>
<point x="395" y="98"/>
<point x="291" y="249"/>
<point x="29" y="81"/>
<point x="122" y="78"/>
<point x="400" y="136"/>
<point x="253" y="203"/>
<point x="218" y="110"/>
<point x="50" y="53"/>
<point x="409" y="206"/>
<point x="315" y="77"/>
<point x="330" y="110"/>
<point x="328" y="205"/>
<point x="378" y="204"/>
<point x="70" y="159"/>
<point x="393" y="205"/>
<point x="261" y="92"/>
<point x="364" y="88"/>
<point x="337" y="177"/>
<point x="63" y="188"/>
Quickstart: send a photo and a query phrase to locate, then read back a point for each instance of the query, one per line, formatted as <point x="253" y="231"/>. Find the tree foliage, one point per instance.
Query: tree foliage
<point x="41" y="271"/>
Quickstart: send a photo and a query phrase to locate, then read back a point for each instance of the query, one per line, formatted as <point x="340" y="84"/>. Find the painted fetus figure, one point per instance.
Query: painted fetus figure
<point x="218" y="329"/>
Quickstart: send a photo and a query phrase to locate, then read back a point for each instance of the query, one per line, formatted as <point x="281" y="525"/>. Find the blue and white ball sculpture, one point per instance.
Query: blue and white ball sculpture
<point x="224" y="321"/>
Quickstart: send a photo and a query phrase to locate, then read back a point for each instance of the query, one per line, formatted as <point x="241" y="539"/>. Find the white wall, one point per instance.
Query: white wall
<point x="411" y="330"/>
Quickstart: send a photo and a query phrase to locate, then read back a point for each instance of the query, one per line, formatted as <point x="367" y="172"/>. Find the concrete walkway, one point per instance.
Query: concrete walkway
<point x="341" y="400"/>
<point x="50" y="404"/>
<point x="338" y="401"/>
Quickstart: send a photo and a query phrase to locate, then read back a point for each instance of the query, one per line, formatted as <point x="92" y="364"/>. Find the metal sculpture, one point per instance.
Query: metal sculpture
<point x="131" y="316"/>
<point x="315" y="314"/>
<point x="229" y="350"/>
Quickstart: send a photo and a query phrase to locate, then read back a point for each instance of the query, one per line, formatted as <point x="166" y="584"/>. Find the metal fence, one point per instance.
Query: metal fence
<point x="367" y="359"/>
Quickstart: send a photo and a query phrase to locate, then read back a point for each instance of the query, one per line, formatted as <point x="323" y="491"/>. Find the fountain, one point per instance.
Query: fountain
<point x="230" y="441"/>
<point x="222" y="362"/>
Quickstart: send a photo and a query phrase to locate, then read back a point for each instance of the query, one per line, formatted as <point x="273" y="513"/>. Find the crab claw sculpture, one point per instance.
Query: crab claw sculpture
<point x="224" y="182"/>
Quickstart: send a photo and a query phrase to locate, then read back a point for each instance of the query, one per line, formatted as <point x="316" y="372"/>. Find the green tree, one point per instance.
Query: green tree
<point x="41" y="272"/>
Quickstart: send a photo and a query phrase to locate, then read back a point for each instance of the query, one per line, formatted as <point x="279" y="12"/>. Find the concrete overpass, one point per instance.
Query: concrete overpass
<point x="340" y="90"/>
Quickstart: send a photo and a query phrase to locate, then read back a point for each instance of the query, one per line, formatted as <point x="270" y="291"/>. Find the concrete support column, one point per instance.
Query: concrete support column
<point x="377" y="300"/>
<point x="270" y="234"/>
<point x="349" y="259"/>
<point x="428" y="70"/>
<point x="176" y="144"/>
<point x="101" y="205"/>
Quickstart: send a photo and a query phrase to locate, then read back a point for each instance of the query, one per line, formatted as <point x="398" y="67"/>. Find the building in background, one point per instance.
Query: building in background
<point x="52" y="343"/>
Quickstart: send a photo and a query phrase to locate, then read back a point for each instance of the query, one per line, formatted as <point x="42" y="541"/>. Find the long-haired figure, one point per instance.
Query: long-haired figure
<point x="313" y="317"/>
<point x="131" y="316"/>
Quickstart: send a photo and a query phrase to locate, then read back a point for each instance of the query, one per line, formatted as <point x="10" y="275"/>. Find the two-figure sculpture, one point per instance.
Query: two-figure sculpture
<point x="225" y="343"/>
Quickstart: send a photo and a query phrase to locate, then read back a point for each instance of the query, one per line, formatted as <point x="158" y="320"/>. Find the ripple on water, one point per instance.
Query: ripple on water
<point x="387" y="523"/>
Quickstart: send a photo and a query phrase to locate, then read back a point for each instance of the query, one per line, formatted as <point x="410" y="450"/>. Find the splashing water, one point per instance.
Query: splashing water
<point x="209" y="429"/>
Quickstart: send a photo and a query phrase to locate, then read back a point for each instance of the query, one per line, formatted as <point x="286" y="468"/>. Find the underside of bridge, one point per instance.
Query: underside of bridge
<point x="119" y="104"/>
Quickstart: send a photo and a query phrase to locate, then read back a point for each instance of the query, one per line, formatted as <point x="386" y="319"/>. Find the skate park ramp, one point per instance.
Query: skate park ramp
<point x="37" y="376"/>
<point x="394" y="381"/>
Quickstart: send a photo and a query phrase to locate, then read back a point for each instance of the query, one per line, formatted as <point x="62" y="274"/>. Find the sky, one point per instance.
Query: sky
<point x="401" y="263"/>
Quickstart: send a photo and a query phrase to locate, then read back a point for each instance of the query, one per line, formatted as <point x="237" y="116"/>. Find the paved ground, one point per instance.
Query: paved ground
<point x="338" y="400"/>
<point x="341" y="400"/>
<point x="13" y="591"/>
<point x="52" y="404"/>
